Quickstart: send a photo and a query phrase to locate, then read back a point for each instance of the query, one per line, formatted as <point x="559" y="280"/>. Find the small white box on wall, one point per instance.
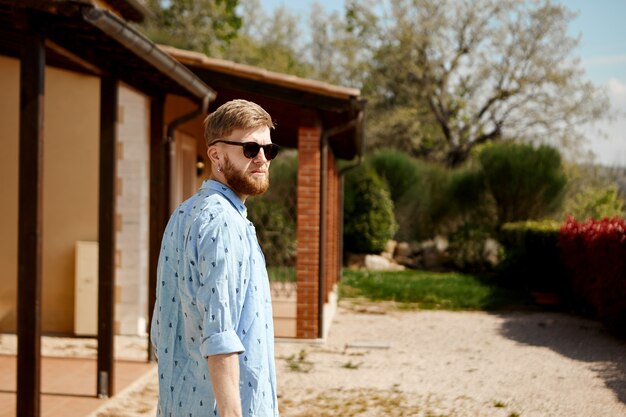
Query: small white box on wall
<point x="86" y="289"/>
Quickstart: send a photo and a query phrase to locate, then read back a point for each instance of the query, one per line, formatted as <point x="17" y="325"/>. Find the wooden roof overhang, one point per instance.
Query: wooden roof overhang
<point x="74" y="41"/>
<point x="339" y="109"/>
<point x="79" y="35"/>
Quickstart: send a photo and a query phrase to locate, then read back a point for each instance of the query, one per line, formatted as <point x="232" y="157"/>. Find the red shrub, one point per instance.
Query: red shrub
<point x="594" y="252"/>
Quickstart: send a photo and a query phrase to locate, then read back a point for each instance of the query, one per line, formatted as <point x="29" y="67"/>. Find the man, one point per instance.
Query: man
<point x="212" y="327"/>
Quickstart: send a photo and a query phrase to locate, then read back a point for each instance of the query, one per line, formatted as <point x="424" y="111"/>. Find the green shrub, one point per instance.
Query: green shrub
<point x="596" y="203"/>
<point x="430" y="199"/>
<point x="467" y="248"/>
<point x="274" y="213"/>
<point x="368" y="212"/>
<point x="399" y="170"/>
<point x="532" y="257"/>
<point x="525" y="182"/>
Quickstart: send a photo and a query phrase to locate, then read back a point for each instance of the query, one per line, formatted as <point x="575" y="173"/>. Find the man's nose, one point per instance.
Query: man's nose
<point x="260" y="157"/>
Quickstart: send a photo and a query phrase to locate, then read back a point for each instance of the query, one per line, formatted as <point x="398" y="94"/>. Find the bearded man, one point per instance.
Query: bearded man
<point x="212" y="327"/>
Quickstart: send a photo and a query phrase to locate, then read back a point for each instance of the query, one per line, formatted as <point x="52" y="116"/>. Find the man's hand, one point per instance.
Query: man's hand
<point x="224" y="370"/>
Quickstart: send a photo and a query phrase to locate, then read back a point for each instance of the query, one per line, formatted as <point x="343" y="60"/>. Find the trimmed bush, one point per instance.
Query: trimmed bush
<point x="527" y="183"/>
<point x="532" y="257"/>
<point x="430" y="199"/>
<point x="399" y="170"/>
<point x="368" y="212"/>
<point x="274" y="213"/>
<point x="594" y="253"/>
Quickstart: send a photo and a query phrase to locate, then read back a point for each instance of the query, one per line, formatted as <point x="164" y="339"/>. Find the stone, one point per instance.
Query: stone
<point x="441" y="243"/>
<point x="491" y="250"/>
<point x="403" y="249"/>
<point x="380" y="263"/>
<point x="390" y="247"/>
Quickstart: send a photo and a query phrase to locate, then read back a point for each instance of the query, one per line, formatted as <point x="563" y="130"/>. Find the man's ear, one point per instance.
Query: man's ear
<point x="214" y="155"/>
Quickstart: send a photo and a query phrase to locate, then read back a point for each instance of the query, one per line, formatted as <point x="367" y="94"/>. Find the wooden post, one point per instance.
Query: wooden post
<point x="32" y="67"/>
<point x="106" y="236"/>
<point x="159" y="200"/>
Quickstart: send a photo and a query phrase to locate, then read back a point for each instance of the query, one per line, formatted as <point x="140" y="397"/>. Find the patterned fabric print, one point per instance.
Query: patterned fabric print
<point x="213" y="298"/>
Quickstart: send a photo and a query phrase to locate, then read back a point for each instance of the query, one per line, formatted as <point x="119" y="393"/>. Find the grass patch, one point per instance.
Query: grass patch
<point x="281" y="273"/>
<point x="430" y="290"/>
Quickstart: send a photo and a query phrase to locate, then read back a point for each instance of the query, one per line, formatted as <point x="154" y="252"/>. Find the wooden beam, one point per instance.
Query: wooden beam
<point x="62" y="52"/>
<point x="106" y="236"/>
<point x="32" y="67"/>
<point x="159" y="199"/>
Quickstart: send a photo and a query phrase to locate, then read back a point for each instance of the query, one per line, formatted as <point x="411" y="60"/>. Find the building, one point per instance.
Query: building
<point x="101" y="134"/>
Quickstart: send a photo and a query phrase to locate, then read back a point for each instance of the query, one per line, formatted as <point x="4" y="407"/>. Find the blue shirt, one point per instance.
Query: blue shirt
<point x="213" y="298"/>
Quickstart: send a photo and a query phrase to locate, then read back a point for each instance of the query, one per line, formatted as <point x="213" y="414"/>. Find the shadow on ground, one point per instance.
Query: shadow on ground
<point x="574" y="337"/>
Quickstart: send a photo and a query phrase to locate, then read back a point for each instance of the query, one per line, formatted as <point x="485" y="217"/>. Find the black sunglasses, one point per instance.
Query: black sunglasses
<point x="251" y="149"/>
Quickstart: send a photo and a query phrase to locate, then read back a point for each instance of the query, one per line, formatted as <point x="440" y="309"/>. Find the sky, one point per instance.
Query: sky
<point x="602" y="49"/>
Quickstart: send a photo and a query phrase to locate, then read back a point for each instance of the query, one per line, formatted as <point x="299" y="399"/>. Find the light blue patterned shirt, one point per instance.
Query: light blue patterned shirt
<point x="213" y="297"/>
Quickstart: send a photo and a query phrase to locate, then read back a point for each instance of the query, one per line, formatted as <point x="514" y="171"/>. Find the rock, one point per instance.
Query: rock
<point x="380" y="263"/>
<point x="412" y="262"/>
<point x="441" y="243"/>
<point x="434" y="260"/>
<point x="491" y="249"/>
<point x="355" y="261"/>
<point x="403" y="249"/>
<point x="390" y="248"/>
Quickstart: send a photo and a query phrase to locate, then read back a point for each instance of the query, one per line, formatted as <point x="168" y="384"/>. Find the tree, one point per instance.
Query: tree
<point x="198" y="25"/>
<point x="270" y="42"/>
<point x="449" y="75"/>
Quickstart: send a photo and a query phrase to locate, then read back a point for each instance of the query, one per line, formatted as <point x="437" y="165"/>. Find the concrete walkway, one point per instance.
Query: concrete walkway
<point x="68" y="385"/>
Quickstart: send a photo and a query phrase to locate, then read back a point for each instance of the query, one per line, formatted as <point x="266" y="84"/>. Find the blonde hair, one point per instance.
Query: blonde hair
<point x="234" y="114"/>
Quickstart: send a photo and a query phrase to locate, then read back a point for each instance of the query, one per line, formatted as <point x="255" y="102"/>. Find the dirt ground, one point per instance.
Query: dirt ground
<point x="380" y="361"/>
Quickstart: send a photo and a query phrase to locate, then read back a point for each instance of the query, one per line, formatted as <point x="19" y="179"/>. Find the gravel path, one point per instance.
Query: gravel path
<point x="439" y="363"/>
<point x="385" y="362"/>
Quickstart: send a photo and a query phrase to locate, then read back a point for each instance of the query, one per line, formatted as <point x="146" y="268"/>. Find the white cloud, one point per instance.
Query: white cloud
<point x="604" y="60"/>
<point x="610" y="151"/>
<point x="616" y="91"/>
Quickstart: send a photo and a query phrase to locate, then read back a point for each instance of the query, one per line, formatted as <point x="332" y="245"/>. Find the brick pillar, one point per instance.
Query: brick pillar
<point x="330" y="263"/>
<point x="308" y="232"/>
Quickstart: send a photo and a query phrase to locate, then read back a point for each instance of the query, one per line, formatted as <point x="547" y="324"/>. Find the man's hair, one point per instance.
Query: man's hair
<point x="235" y="114"/>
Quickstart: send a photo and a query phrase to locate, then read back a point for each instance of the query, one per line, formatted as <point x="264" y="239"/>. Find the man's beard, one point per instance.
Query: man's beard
<point x="244" y="184"/>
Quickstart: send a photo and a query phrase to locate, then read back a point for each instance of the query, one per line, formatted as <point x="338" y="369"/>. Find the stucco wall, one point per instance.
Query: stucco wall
<point x="70" y="186"/>
<point x="9" y="127"/>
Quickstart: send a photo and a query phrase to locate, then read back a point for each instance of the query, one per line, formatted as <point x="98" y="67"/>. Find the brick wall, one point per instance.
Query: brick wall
<point x="331" y="266"/>
<point x="308" y="231"/>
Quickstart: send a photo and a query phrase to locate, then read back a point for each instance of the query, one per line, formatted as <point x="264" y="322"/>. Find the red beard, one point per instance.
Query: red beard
<point x="242" y="183"/>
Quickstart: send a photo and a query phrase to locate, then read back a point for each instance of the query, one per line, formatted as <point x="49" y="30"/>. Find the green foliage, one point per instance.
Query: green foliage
<point x="398" y="169"/>
<point x="468" y="72"/>
<point x="428" y="290"/>
<point x="467" y="248"/>
<point x="269" y="42"/>
<point x="199" y="25"/>
<point x="274" y="214"/>
<point x="525" y="182"/>
<point x="596" y="203"/>
<point x="428" y="198"/>
<point x="532" y="255"/>
<point x="368" y="212"/>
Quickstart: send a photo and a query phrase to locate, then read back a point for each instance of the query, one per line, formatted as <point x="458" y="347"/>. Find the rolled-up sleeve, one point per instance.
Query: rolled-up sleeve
<point x="216" y="297"/>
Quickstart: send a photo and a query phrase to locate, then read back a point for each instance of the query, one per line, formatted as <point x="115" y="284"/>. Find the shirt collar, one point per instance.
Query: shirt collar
<point x="228" y="193"/>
